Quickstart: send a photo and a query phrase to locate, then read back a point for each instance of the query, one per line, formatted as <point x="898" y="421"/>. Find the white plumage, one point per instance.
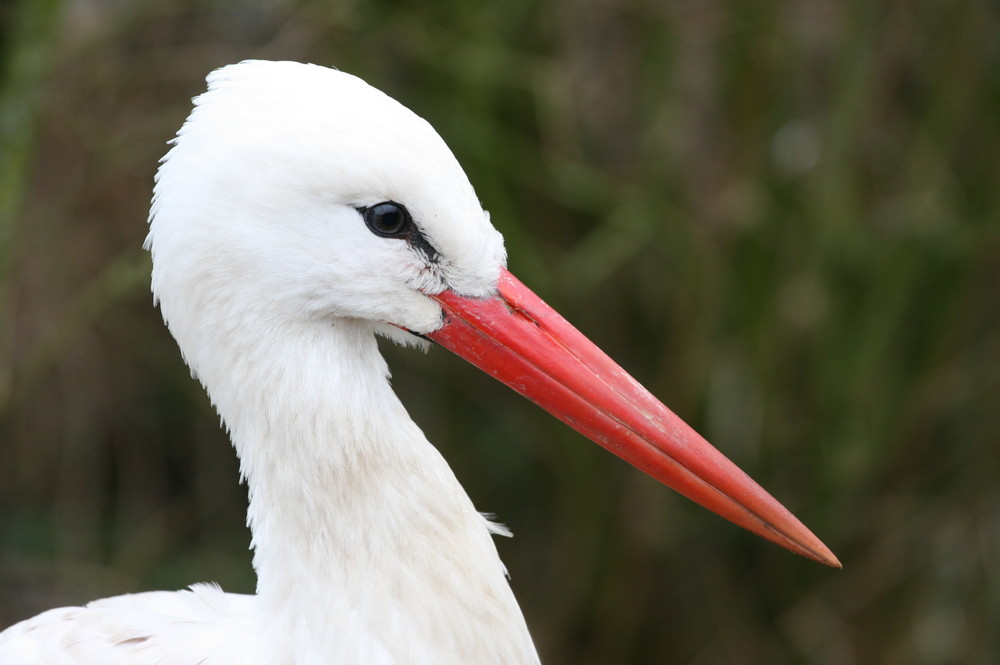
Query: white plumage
<point x="274" y="280"/>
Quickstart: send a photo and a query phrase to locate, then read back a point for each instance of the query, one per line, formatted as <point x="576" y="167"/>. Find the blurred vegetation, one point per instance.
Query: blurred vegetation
<point x="783" y="218"/>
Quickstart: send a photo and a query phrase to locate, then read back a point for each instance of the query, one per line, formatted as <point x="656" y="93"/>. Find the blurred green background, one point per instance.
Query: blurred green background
<point x="783" y="218"/>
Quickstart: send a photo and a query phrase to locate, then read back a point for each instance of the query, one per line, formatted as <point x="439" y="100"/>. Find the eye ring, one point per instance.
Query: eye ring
<point x="388" y="219"/>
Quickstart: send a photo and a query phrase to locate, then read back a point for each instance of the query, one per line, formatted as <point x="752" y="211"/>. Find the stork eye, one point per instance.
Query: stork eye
<point x="387" y="219"/>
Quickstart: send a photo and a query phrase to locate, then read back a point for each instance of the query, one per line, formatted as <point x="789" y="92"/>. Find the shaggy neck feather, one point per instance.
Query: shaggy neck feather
<point x="365" y="544"/>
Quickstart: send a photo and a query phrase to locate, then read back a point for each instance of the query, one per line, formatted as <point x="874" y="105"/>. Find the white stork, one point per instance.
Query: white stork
<point x="300" y="213"/>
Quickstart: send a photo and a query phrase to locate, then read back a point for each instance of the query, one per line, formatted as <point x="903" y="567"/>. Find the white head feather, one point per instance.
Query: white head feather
<point x="261" y="190"/>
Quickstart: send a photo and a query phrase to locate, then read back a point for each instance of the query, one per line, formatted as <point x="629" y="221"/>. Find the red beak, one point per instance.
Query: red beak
<point x="518" y="339"/>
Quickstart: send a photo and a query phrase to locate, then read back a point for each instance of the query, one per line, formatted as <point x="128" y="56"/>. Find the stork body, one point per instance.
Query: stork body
<point x="299" y="214"/>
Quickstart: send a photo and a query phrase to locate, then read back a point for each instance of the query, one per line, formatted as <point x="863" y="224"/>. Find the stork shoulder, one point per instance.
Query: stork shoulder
<point x="162" y="627"/>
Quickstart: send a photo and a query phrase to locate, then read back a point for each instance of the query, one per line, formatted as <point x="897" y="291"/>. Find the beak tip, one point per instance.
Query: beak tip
<point x="830" y="559"/>
<point x="813" y="548"/>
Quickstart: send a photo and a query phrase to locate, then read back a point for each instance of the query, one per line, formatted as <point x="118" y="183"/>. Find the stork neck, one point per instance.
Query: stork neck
<point x="361" y="533"/>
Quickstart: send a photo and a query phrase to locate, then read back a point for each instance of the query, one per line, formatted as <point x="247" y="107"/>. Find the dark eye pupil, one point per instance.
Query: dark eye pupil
<point x="387" y="219"/>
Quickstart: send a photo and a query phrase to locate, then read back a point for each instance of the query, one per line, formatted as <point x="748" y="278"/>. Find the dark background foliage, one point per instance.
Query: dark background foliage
<point x="781" y="217"/>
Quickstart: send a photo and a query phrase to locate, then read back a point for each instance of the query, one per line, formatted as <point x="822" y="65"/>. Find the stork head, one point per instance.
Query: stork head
<point x="297" y="194"/>
<point x="322" y="197"/>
